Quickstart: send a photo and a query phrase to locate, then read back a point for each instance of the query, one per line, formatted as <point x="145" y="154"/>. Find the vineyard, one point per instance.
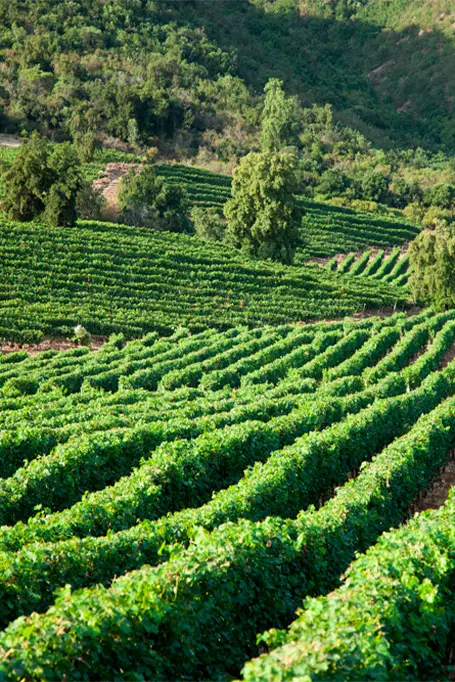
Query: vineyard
<point x="326" y="230"/>
<point x="165" y="502"/>
<point x="227" y="341"/>
<point x="380" y="266"/>
<point x="113" y="278"/>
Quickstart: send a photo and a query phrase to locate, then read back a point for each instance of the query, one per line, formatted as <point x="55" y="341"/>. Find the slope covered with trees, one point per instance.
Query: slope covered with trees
<point x="136" y="70"/>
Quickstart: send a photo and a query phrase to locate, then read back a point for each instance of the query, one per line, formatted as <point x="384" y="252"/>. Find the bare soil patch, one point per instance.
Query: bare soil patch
<point x="9" y="140"/>
<point x="49" y="344"/>
<point x="438" y="492"/>
<point x="448" y="357"/>
<point x="109" y="184"/>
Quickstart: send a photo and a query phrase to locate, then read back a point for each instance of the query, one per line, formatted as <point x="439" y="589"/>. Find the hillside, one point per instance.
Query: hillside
<point x="125" y="466"/>
<point x="114" y="278"/>
<point x="326" y="230"/>
<point x="227" y="340"/>
<point x="194" y="70"/>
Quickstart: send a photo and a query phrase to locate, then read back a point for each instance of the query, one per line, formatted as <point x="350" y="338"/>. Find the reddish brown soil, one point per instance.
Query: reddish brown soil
<point x="49" y="344"/>
<point x="109" y="184"/>
<point x="436" y="495"/>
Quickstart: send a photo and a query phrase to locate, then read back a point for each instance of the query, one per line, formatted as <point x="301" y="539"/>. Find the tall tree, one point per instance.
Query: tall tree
<point x="27" y="181"/>
<point x="280" y="121"/>
<point x="67" y="182"/>
<point x="43" y="182"/>
<point x="432" y="260"/>
<point x="262" y="215"/>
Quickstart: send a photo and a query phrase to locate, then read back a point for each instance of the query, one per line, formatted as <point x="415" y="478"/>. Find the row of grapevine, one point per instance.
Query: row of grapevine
<point x="24" y="440"/>
<point x="394" y="614"/>
<point x="135" y="625"/>
<point x="114" y="279"/>
<point x="33" y="399"/>
<point x="326" y="229"/>
<point x="382" y="267"/>
<point x="59" y="561"/>
<point x="188" y="492"/>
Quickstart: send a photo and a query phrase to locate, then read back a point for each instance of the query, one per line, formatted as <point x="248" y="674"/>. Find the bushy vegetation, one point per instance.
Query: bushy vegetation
<point x="210" y="477"/>
<point x="191" y="72"/>
<point x="46" y="182"/>
<point x="147" y="200"/>
<point x="325" y="230"/>
<point x="401" y="632"/>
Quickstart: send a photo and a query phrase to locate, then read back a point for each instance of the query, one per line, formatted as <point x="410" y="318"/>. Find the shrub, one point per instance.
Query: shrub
<point x="207" y="224"/>
<point x="148" y="200"/>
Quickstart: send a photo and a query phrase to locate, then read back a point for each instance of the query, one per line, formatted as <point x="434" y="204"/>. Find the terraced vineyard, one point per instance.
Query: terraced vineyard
<point x="392" y="267"/>
<point x="326" y="230"/>
<point x="112" y="278"/>
<point x="187" y="493"/>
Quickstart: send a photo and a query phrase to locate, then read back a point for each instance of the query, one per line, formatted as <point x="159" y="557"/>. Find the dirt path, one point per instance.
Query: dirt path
<point x="10" y="140"/>
<point x="448" y="357"/>
<point x="48" y="344"/>
<point x="109" y="184"/>
<point x="437" y="494"/>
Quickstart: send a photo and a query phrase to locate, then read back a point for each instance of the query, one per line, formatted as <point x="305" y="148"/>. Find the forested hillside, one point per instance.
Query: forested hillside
<point x="136" y="70"/>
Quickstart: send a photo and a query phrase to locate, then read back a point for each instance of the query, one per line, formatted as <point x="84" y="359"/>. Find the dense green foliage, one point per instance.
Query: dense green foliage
<point x="147" y="200"/>
<point x="142" y="70"/>
<point x="203" y="470"/>
<point x="169" y="503"/>
<point x="263" y="217"/>
<point x="279" y="120"/>
<point x="207" y="223"/>
<point x="394" y="614"/>
<point x="43" y="183"/>
<point x="431" y="256"/>
<point x="114" y="278"/>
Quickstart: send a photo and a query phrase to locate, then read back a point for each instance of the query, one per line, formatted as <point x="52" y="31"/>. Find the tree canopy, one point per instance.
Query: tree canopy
<point x="432" y="259"/>
<point x="43" y="182"/>
<point x="262" y="215"/>
<point x="147" y="200"/>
